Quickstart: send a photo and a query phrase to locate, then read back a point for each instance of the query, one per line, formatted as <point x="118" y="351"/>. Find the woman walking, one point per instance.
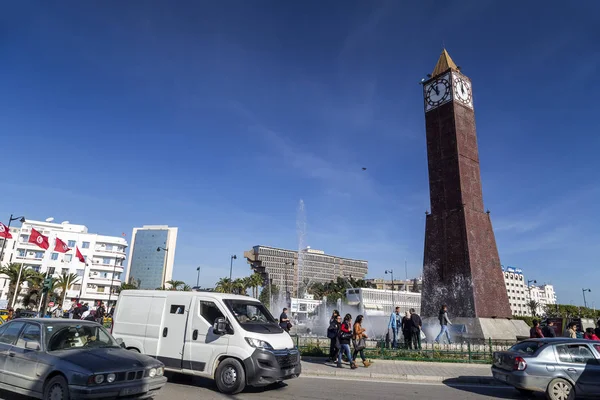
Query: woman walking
<point x="359" y="341"/>
<point x="345" y="337"/>
<point x="407" y="330"/>
<point x="333" y="333"/>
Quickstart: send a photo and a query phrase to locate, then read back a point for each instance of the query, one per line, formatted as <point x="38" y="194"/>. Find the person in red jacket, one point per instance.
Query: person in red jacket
<point x="536" y="331"/>
<point x="590" y="335"/>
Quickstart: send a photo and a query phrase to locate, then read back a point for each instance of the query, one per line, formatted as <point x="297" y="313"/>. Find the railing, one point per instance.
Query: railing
<point x="466" y="352"/>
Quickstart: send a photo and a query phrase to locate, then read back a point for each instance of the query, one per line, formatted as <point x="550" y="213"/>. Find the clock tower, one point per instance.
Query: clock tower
<point x="461" y="266"/>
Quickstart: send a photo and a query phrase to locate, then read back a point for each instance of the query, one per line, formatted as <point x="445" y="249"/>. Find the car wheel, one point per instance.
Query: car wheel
<point x="560" y="389"/>
<point x="56" y="389"/>
<point x="230" y="376"/>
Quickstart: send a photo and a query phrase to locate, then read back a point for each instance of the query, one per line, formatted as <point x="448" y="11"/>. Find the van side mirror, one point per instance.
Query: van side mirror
<point x="33" y="345"/>
<point x="220" y="326"/>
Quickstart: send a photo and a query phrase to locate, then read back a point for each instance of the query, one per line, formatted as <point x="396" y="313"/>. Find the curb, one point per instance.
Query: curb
<point x="450" y="380"/>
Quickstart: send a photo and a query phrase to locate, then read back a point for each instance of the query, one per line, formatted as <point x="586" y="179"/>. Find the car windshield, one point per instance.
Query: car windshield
<point x="527" y="347"/>
<point x="249" y="312"/>
<point x="76" y="336"/>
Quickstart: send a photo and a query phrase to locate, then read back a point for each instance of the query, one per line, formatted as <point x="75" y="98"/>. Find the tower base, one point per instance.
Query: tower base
<point x="478" y="329"/>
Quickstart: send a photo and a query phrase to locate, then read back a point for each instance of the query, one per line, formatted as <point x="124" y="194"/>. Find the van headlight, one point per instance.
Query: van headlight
<point x="259" y="344"/>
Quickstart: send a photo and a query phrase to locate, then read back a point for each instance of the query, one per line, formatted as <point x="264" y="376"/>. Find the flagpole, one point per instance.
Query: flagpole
<point x="44" y="296"/>
<point x="12" y="304"/>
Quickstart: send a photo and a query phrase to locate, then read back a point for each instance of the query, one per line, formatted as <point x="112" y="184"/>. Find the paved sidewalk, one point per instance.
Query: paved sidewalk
<point x="411" y="371"/>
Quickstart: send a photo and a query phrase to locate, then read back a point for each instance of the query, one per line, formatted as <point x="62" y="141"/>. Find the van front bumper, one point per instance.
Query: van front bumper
<point x="266" y="367"/>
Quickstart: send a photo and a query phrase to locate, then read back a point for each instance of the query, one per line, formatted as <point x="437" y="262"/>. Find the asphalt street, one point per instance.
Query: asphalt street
<point x="184" y="387"/>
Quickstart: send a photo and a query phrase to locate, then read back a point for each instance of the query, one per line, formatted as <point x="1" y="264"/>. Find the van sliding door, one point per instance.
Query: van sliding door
<point x="172" y="333"/>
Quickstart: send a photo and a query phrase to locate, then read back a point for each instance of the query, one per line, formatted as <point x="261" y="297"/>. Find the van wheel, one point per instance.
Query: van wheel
<point x="560" y="389"/>
<point x="230" y="376"/>
<point x="56" y="389"/>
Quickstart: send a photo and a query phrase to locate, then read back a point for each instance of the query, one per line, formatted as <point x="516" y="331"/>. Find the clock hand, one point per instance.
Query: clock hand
<point x="436" y="90"/>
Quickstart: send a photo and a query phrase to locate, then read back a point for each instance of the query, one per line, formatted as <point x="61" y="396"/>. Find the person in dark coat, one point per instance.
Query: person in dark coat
<point x="345" y="337"/>
<point x="333" y="333"/>
<point x="548" y="330"/>
<point x="416" y="329"/>
<point x="407" y="330"/>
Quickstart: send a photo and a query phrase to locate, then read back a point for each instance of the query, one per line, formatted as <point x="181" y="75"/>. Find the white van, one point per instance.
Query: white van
<point x="233" y="339"/>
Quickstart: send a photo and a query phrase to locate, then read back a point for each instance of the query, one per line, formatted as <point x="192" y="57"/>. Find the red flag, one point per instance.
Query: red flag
<point x="79" y="255"/>
<point x="39" y="240"/>
<point x="61" y="246"/>
<point x="4" y="232"/>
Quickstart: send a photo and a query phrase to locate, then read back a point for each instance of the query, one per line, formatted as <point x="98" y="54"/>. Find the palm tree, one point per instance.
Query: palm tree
<point x="186" y="288"/>
<point x="175" y="284"/>
<point x="126" y="286"/>
<point x="255" y="281"/>
<point x="224" y="285"/>
<point x="533" y="306"/>
<point x="34" y="281"/>
<point x="239" y="286"/>
<point x="12" y="271"/>
<point x="65" y="282"/>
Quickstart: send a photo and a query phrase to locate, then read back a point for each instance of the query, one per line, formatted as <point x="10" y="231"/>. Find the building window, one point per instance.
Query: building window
<point x="177" y="309"/>
<point x="65" y="271"/>
<point x="80" y="272"/>
<point x="68" y="257"/>
<point x="39" y="254"/>
<point x="51" y="270"/>
<point x="106" y="261"/>
<point x="24" y="238"/>
<point x="100" y="289"/>
<point x="109" y="247"/>
<point x="117" y="276"/>
<point x="54" y="256"/>
<point x="21" y="253"/>
<point x="85" y="245"/>
<point x="104" y="275"/>
<point x="71" y="243"/>
<point x="76" y="287"/>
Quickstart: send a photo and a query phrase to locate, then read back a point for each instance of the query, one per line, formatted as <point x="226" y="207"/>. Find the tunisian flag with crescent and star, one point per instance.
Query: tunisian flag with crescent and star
<point x="4" y="232"/>
<point x="61" y="246"/>
<point x="39" y="240"/>
<point x="79" y="255"/>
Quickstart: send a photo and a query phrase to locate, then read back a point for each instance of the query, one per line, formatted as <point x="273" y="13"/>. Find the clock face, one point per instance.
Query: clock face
<point x="462" y="91"/>
<point x="437" y="93"/>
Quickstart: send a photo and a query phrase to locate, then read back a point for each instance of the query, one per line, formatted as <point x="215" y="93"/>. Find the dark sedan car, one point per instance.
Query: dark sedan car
<point x="70" y="359"/>
<point x="562" y="368"/>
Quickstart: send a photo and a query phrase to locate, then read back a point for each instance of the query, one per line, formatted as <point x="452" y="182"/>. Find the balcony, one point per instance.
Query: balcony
<point x="105" y="267"/>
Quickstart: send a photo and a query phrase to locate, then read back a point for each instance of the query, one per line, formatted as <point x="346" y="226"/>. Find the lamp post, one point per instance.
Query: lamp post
<point x="162" y="280"/>
<point x="584" y="301"/>
<point x="233" y="257"/>
<point x="11" y="219"/>
<point x="112" y="279"/>
<point x="391" y="272"/>
<point x="286" y="283"/>
<point x="198" y="278"/>
<point x="529" y="286"/>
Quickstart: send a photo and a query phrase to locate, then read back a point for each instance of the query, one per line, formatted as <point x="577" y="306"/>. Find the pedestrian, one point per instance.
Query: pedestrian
<point x="359" y="342"/>
<point x="571" y="331"/>
<point x="58" y="312"/>
<point x="407" y="330"/>
<point x="444" y="322"/>
<point x="548" y="330"/>
<point x="11" y="314"/>
<point x="284" y="321"/>
<point x="535" y="331"/>
<point x="590" y="335"/>
<point x="345" y="337"/>
<point x="100" y="313"/>
<point x="597" y="330"/>
<point x="332" y="333"/>
<point x="395" y="325"/>
<point x="416" y="326"/>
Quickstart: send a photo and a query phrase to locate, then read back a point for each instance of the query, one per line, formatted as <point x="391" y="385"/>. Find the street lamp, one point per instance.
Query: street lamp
<point x="111" y="282"/>
<point x="11" y="219"/>
<point x="584" y="301"/>
<point x="391" y="272"/>
<point x="287" y="290"/>
<point x="161" y="248"/>
<point x="233" y="257"/>
<point x="198" y="278"/>
<point x="529" y="286"/>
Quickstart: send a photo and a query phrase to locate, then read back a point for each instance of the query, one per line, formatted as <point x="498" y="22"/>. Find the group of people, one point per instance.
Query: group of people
<point x="342" y="332"/>
<point x="548" y="331"/>
<point x="410" y="325"/>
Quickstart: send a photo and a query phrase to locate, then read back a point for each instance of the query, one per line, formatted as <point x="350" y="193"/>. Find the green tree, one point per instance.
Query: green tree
<point x="533" y="307"/>
<point x="64" y="283"/>
<point x="253" y="282"/>
<point x="264" y="295"/>
<point x="186" y="288"/>
<point x="175" y="285"/>
<point x="126" y="286"/>
<point x="238" y="286"/>
<point x="34" y="280"/>
<point x="224" y="285"/>
<point x="11" y="271"/>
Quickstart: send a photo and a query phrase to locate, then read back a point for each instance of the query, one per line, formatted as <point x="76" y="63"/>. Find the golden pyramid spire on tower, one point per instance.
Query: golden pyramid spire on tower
<point x="444" y="63"/>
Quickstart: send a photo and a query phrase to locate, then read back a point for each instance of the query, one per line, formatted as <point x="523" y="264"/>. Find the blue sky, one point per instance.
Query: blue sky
<point x="218" y="117"/>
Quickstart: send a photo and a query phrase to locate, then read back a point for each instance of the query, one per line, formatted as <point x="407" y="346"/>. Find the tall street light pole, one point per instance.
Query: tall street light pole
<point x="233" y="257"/>
<point x="584" y="301"/>
<point x="391" y="272"/>
<point x="112" y="279"/>
<point x="198" y="278"/>
<point x="11" y="219"/>
<point x="166" y="250"/>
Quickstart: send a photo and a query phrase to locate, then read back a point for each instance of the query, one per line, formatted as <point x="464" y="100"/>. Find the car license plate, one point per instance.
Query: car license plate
<point x="133" y="390"/>
<point x="288" y="372"/>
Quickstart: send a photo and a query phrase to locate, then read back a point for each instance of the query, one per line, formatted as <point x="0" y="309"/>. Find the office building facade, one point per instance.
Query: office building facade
<point x="293" y="271"/>
<point x="520" y="293"/>
<point x="99" y="276"/>
<point x="151" y="256"/>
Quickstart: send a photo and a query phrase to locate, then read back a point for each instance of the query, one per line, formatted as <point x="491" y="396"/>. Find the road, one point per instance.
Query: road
<point x="187" y="388"/>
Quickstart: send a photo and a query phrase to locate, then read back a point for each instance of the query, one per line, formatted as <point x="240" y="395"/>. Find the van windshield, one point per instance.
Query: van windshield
<point x="253" y="316"/>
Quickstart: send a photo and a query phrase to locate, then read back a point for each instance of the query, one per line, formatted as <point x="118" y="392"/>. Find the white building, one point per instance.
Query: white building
<point x="304" y="306"/>
<point x="102" y="270"/>
<point x="520" y="294"/>
<point x="151" y="256"/>
<point x="544" y="295"/>
<point x="383" y="302"/>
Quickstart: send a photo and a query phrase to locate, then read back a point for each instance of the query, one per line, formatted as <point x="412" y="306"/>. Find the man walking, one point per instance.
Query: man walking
<point x="548" y="330"/>
<point x="416" y="329"/>
<point x="395" y="325"/>
<point x="100" y="313"/>
<point x="444" y="322"/>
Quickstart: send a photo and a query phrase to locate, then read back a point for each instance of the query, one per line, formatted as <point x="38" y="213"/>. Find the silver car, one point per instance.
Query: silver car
<point x="562" y="368"/>
<point x="66" y="359"/>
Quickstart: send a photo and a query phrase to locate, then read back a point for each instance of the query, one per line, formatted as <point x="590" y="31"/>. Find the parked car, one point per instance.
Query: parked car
<point x="562" y="368"/>
<point x="26" y="314"/>
<point x="233" y="339"/>
<point x="64" y="358"/>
